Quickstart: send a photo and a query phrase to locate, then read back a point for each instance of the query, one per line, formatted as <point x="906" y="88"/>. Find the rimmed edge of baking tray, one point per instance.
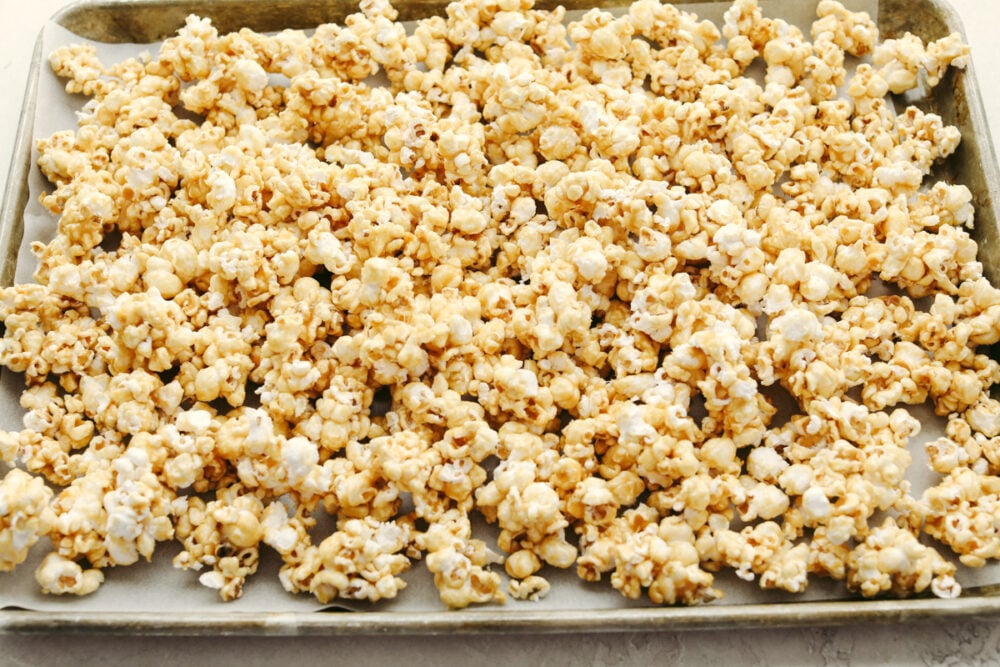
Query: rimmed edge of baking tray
<point x="15" y="195"/>
<point x="828" y="613"/>
<point x="975" y="165"/>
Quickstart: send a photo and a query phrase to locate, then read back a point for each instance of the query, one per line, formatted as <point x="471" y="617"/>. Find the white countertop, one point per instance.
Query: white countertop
<point x="943" y="643"/>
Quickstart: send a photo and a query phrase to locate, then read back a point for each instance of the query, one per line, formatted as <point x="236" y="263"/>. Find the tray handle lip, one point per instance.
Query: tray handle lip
<point x="491" y="621"/>
<point x="15" y="193"/>
<point x="79" y="13"/>
<point x="83" y="7"/>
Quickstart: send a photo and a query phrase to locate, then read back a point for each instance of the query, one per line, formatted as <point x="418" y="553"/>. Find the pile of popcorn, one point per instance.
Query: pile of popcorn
<point x="563" y="275"/>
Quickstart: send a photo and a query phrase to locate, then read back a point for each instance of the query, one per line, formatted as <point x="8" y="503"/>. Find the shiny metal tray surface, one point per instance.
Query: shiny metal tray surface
<point x="956" y="99"/>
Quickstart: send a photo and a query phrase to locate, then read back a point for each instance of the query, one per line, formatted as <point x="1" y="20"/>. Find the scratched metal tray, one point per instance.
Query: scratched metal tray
<point x="956" y="99"/>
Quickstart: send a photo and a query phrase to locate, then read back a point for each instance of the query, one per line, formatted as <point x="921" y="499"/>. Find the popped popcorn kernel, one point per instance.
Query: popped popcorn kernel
<point x="25" y="516"/>
<point x="60" y="576"/>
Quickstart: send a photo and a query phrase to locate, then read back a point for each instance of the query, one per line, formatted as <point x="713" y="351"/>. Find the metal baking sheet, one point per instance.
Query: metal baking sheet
<point x="957" y="100"/>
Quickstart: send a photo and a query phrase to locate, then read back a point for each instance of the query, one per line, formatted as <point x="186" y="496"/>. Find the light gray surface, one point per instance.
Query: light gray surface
<point x="957" y="643"/>
<point x="970" y="645"/>
<point x="963" y="645"/>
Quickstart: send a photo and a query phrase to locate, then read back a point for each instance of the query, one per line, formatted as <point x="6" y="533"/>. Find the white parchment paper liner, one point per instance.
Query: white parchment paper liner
<point x="158" y="587"/>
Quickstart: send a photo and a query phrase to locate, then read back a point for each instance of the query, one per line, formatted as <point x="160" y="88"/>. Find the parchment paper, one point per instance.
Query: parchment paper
<point x="158" y="587"/>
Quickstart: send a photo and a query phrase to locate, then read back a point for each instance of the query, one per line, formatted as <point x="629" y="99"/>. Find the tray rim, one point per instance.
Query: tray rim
<point x="497" y="621"/>
<point x="982" y="602"/>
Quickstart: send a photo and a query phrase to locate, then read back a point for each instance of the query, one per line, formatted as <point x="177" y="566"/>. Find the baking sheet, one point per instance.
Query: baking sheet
<point x="157" y="588"/>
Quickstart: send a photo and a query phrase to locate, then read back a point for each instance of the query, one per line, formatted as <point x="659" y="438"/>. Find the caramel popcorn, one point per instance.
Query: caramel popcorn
<point x="26" y="516"/>
<point x="594" y="281"/>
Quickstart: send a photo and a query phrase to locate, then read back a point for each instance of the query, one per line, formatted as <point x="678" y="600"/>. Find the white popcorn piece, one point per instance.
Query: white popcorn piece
<point x="59" y="576"/>
<point x="25" y="516"/>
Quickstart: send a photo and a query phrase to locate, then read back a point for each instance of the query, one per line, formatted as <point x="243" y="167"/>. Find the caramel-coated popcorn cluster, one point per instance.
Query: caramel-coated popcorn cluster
<point x="560" y="274"/>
